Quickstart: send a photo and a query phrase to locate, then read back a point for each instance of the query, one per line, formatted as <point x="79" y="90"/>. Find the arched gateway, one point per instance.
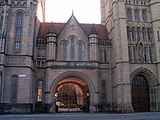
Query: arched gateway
<point x="72" y="92"/>
<point x="144" y="90"/>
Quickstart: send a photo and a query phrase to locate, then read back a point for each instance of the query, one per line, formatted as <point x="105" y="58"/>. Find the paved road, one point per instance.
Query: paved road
<point x="84" y="116"/>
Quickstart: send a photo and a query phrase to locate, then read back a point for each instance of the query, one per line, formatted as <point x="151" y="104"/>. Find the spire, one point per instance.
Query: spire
<point x="72" y="12"/>
<point x="93" y="30"/>
<point x="51" y="29"/>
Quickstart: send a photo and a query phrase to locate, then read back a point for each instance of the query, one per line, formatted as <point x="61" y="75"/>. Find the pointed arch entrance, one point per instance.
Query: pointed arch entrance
<point x="144" y="90"/>
<point x="72" y="95"/>
<point x="76" y="82"/>
<point x="140" y="94"/>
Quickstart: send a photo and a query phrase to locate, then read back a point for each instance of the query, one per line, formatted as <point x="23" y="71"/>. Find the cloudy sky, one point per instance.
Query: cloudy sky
<point x="86" y="11"/>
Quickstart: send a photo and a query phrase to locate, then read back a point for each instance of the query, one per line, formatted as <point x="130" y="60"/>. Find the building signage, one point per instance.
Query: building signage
<point x="74" y="64"/>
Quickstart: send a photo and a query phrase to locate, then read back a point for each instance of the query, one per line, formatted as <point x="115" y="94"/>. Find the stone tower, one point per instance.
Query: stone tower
<point x="133" y="26"/>
<point x="18" y="31"/>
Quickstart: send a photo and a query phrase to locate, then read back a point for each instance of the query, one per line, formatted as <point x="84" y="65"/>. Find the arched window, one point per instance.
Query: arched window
<point x="128" y="32"/>
<point x="64" y="51"/>
<point x="150" y="54"/>
<point x="144" y="15"/>
<point x="134" y="54"/>
<point x="105" y="56"/>
<point x="18" y="31"/>
<point x="43" y="52"/>
<point x="80" y="52"/>
<point x="149" y="34"/>
<point x="39" y="91"/>
<point x="100" y="55"/>
<point x="133" y="34"/>
<point x="19" y="25"/>
<point x="136" y="15"/>
<point x="129" y="15"/>
<point x="138" y="34"/>
<point x="143" y="33"/>
<point x="14" y="86"/>
<point x="72" y="48"/>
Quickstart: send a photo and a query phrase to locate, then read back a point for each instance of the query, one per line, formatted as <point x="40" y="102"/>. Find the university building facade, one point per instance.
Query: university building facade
<point x="115" y="65"/>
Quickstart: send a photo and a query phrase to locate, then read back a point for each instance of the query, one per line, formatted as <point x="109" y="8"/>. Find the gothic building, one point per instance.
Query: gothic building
<point x="115" y="64"/>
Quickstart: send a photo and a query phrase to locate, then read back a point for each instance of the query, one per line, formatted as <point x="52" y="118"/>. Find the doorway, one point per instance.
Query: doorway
<point x="72" y="95"/>
<point x="140" y="94"/>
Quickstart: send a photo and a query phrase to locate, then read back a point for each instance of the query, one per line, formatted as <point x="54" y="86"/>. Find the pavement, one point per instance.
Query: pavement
<point x="84" y="116"/>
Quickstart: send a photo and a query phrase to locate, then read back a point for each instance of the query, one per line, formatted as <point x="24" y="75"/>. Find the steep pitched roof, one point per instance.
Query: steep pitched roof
<point x="87" y="28"/>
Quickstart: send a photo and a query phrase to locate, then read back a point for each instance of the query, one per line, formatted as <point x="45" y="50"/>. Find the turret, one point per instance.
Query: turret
<point x="51" y="43"/>
<point x="93" y="44"/>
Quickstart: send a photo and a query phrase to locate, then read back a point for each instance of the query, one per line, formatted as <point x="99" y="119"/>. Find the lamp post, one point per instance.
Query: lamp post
<point x="87" y="101"/>
<point x="56" y="97"/>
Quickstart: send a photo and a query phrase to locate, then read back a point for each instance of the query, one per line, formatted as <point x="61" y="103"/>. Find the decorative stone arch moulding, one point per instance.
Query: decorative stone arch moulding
<point x="64" y="75"/>
<point x="152" y="80"/>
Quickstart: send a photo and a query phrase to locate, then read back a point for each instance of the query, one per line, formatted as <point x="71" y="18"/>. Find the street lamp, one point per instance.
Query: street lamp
<point x="56" y="95"/>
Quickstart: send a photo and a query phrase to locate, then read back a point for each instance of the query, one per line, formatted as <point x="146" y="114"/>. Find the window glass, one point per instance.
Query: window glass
<point x="144" y="15"/>
<point x="158" y="34"/>
<point x="72" y="48"/>
<point x="14" y="86"/>
<point x="128" y="33"/>
<point x="64" y="51"/>
<point x="143" y="33"/>
<point x="105" y="56"/>
<point x="100" y="55"/>
<point x="136" y="15"/>
<point x="19" y="20"/>
<point x="39" y="92"/>
<point x="138" y="34"/>
<point x="133" y="34"/>
<point x="134" y="53"/>
<point x="149" y="34"/>
<point x="129" y="15"/>
<point x="17" y="46"/>
<point x="150" y="54"/>
<point x="80" y="51"/>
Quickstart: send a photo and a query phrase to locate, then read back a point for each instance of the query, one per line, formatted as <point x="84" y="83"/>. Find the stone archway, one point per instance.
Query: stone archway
<point x="79" y="79"/>
<point x="143" y="90"/>
<point x="72" y="95"/>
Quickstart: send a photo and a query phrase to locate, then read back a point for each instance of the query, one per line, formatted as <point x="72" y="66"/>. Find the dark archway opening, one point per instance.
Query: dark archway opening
<point x="140" y="94"/>
<point x="72" y="95"/>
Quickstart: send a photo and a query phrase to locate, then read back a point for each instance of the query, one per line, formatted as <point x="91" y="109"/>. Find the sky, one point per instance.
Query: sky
<point x="86" y="11"/>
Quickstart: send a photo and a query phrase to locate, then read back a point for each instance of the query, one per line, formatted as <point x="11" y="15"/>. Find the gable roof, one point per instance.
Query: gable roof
<point x="87" y="28"/>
